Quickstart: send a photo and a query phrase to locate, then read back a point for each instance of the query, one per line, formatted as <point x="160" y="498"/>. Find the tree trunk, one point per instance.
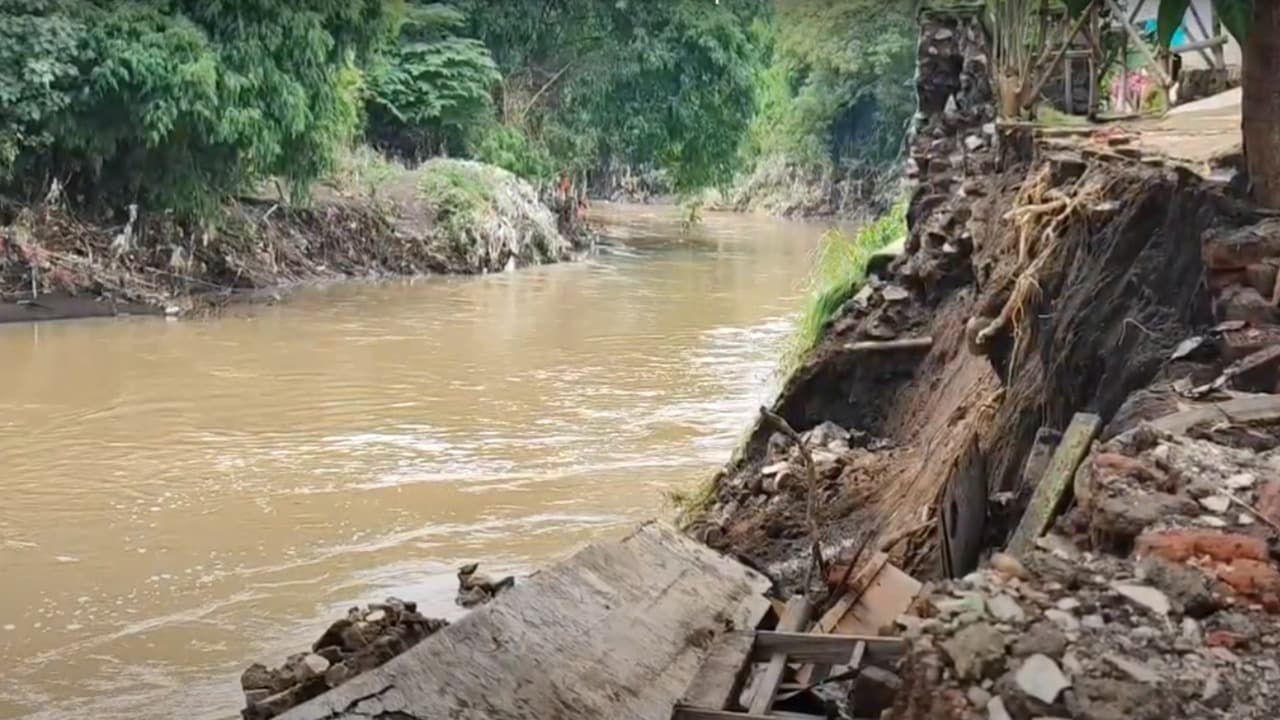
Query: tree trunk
<point x="1261" y="104"/>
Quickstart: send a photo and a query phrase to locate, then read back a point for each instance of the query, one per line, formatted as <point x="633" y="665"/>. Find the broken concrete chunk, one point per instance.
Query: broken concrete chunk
<point x="311" y="666"/>
<point x="1216" y="503"/>
<point x="1133" y="669"/>
<point x="1005" y="609"/>
<point x="1148" y="597"/>
<point x="996" y="709"/>
<point x="776" y="468"/>
<point x="1041" y="678"/>
<point x="976" y="652"/>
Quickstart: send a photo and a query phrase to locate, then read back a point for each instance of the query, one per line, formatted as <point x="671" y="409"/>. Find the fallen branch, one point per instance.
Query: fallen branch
<point x="923" y="343"/>
<point x="811" y="502"/>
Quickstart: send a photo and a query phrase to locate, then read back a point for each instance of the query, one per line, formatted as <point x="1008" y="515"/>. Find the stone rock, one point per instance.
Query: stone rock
<point x="775" y="469"/>
<point x="943" y="34"/>
<point x="311" y="666"/>
<point x="974" y="143"/>
<point x="894" y="294"/>
<point x="258" y="677"/>
<point x="1216" y="503"/>
<point x="977" y="696"/>
<point x="1133" y="669"/>
<point x="1103" y="699"/>
<point x="1211" y="521"/>
<point x="874" y="690"/>
<point x="1064" y="620"/>
<point x="1041" y="678"/>
<point x="1244" y="303"/>
<point x="996" y="709"/>
<point x="976" y="652"/>
<point x="1242" y="481"/>
<point x="1185" y="586"/>
<point x="1005" y="609"/>
<point x="1042" y="638"/>
<point x="1148" y="597"/>
<point x="1009" y="566"/>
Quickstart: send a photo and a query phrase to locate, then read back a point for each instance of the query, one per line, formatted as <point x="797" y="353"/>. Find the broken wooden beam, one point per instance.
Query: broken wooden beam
<point x="921" y="343"/>
<point x="720" y="679"/>
<point x="793" y="620"/>
<point x="1049" y="494"/>
<point x="1257" y="409"/>
<point x="825" y="649"/>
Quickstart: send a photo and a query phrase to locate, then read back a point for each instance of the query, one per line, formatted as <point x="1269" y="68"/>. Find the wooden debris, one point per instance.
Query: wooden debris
<point x="825" y="649"/>
<point x="1047" y="500"/>
<point x="923" y="343"/>
<point x="1259" y="409"/>
<point x="964" y="511"/>
<point x="793" y="620"/>
<point x="720" y="679"/>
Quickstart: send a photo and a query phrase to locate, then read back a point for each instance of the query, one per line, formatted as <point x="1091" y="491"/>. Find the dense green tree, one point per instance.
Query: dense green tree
<point x="178" y="103"/>
<point x="665" y="83"/>
<point x="837" y="91"/>
<point x="432" y="87"/>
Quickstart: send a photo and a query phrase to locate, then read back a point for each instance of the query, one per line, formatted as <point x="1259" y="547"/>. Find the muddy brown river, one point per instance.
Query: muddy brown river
<point x="182" y="498"/>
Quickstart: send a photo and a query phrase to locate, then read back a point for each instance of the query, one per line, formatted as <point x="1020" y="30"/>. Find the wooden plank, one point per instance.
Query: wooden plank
<point x="855" y="587"/>
<point x="964" y="511"/>
<point x="889" y="595"/>
<point x="1047" y="499"/>
<point x="921" y="343"/>
<point x="720" y="678"/>
<point x="826" y="649"/>
<point x="613" y="631"/>
<point x="792" y="621"/>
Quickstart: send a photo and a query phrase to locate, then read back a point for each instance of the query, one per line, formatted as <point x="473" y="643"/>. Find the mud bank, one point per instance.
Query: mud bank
<point x="1077" y="332"/>
<point x="446" y="216"/>
<point x="1038" y="281"/>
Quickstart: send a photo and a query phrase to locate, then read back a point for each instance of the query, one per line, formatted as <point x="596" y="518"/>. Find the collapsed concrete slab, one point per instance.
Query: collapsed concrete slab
<point x="617" y="630"/>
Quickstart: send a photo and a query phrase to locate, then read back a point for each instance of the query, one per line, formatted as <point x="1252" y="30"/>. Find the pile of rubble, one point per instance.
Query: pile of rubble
<point x="361" y="641"/>
<point x="357" y="643"/>
<point x="1154" y="598"/>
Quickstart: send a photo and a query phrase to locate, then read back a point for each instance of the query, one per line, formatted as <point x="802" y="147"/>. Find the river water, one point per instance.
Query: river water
<point x="182" y="498"/>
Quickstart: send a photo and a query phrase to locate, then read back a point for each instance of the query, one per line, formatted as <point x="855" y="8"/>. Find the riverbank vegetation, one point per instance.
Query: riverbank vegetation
<point x="838" y="270"/>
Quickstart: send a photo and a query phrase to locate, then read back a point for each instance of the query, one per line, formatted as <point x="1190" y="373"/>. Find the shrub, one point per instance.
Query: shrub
<point x="178" y="104"/>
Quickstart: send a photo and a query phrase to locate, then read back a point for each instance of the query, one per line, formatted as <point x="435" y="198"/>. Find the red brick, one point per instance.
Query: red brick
<point x="1251" y="578"/>
<point x="1269" y="501"/>
<point x="1182" y="545"/>
<point x="1226" y="639"/>
<point x="1122" y="465"/>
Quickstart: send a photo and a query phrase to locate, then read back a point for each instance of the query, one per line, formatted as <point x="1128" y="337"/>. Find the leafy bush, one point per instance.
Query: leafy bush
<point x="458" y="195"/>
<point x="509" y="148"/>
<point x="177" y="104"/>
<point x="429" y="90"/>
<point x="837" y="274"/>
<point x="838" y="90"/>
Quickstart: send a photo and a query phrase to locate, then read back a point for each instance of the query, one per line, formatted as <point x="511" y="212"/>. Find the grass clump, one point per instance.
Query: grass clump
<point x="459" y="195"/>
<point x="839" y="268"/>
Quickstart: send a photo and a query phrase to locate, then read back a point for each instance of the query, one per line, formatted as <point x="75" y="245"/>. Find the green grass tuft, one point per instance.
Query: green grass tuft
<point x="839" y="268"/>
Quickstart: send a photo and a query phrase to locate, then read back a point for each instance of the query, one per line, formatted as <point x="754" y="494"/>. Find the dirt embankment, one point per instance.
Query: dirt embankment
<point x="1042" y="279"/>
<point x="444" y="217"/>
<point x="1037" y="282"/>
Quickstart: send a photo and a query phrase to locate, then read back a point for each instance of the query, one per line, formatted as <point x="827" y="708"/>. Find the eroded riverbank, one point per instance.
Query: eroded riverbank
<point x="188" y="497"/>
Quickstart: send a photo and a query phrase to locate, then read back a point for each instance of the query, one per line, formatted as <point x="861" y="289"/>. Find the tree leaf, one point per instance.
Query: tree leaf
<point x="1236" y="16"/>
<point x="1170" y="18"/>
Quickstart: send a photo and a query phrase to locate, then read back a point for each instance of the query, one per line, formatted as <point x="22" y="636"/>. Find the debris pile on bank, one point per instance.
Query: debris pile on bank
<point x="361" y="641"/>
<point x="447" y="217"/>
<point x="357" y="643"/>
<point x="1155" y="599"/>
